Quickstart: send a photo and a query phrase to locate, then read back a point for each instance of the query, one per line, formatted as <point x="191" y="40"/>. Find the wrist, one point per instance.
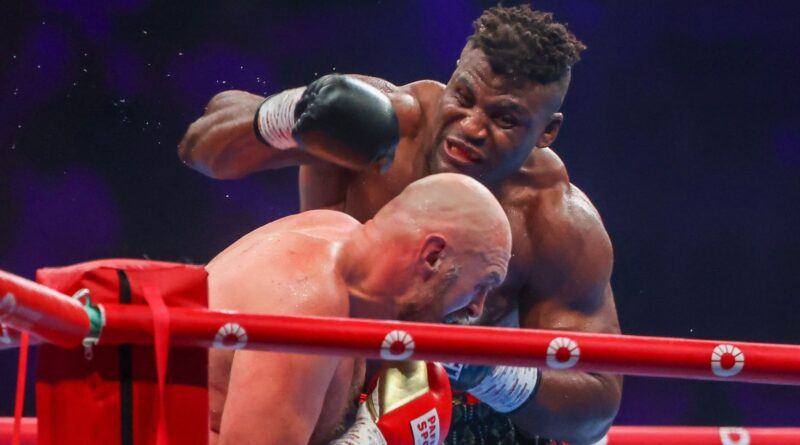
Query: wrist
<point x="364" y="431"/>
<point x="506" y="388"/>
<point x="274" y="119"/>
<point x="464" y="377"/>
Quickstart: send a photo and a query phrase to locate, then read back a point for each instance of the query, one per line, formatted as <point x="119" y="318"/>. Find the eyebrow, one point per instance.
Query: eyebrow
<point x="502" y="104"/>
<point x="467" y="83"/>
<point x="493" y="279"/>
<point x="506" y="104"/>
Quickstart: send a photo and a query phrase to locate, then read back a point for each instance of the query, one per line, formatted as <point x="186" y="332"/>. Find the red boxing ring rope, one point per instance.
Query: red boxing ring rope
<point x="700" y="435"/>
<point x="55" y="317"/>
<point x="618" y="435"/>
<point x="43" y="311"/>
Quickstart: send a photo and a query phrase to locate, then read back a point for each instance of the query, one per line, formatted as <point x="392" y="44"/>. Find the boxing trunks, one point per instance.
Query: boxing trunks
<point x="475" y="423"/>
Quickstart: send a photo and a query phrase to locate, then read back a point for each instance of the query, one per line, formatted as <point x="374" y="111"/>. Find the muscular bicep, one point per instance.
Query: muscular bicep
<point x="570" y="285"/>
<point x="556" y="313"/>
<point x="407" y="101"/>
<point x="581" y="300"/>
<point x="324" y="186"/>
<point x="569" y="289"/>
<point x="222" y="143"/>
<point x="274" y="398"/>
<point x="382" y="84"/>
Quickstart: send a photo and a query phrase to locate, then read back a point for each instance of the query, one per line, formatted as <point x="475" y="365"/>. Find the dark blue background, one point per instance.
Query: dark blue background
<point x="682" y="125"/>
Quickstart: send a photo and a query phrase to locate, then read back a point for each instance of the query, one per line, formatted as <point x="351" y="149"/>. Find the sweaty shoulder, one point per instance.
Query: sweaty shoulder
<point x="410" y="101"/>
<point x="286" y="267"/>
<point x="571" y="253"/>
<point x="322" y="220"/>
<point x="413" y="102"/>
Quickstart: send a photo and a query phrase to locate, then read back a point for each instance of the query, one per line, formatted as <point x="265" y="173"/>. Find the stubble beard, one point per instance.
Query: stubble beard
<point x="428" y="307"/>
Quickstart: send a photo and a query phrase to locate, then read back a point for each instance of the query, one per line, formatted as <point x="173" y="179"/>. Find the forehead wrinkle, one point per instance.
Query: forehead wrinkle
<point x="512" y="99"/>
<point x="506" y="104"/>
<point x="476" y="74"/>
<point x="494" y="257"/>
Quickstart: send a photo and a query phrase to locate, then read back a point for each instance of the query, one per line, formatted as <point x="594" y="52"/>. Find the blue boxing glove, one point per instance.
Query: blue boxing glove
<point x="503" y="388"/>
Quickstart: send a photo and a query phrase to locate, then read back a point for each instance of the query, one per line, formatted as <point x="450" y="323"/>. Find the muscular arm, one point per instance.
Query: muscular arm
<point x="570" y="290"/>
<point x="222" y="143"/>
<point x="268" y="398"/>
<point x="274" y="398"/>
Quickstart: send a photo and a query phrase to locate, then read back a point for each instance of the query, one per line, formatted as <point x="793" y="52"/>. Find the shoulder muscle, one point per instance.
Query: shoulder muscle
<point x="574" y="256"/>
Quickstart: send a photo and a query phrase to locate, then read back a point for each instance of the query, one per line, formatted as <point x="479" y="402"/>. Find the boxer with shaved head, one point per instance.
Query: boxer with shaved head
<point x="438" y="247"/>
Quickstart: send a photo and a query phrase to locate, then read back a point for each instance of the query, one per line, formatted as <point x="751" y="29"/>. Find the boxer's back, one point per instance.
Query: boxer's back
<point x="285" y="267"/>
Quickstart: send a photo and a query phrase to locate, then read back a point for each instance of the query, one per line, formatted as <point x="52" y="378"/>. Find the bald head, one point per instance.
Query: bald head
<point x="455" y="206"/>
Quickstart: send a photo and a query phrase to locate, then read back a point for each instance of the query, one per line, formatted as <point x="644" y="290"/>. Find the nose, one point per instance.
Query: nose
<point x="475" y="307"/>
<point x="473" y="127"/>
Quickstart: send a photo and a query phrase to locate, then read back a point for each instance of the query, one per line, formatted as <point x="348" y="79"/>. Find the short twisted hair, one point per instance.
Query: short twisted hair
<point x="522" y="43"/>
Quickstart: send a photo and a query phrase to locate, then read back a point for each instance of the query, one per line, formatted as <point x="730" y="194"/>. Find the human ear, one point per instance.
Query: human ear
<point x="550" y="132"/>
<point x="431" y="254"/>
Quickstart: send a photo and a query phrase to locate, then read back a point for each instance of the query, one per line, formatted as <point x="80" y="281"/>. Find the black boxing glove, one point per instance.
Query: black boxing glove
<point x="337" y="118"/>
<point x="346" y="121"/>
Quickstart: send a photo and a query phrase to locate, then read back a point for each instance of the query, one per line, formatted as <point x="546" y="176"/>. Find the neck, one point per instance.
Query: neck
<point x="358" y="261"/>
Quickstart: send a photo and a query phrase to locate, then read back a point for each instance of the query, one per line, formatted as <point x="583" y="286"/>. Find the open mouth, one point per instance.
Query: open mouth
<point x="461" y="152"/>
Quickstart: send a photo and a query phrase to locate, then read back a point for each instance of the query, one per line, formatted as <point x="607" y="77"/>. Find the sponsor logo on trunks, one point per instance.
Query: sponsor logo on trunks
<point x="7" y="305"/>
<point x="563" y="353"/>
<point x="426" y="428"/>
<point x="230" y="336"/>
<point x="727" y="360"/>
<point x="397" y="345"/>
<point x="734" y="436"/>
